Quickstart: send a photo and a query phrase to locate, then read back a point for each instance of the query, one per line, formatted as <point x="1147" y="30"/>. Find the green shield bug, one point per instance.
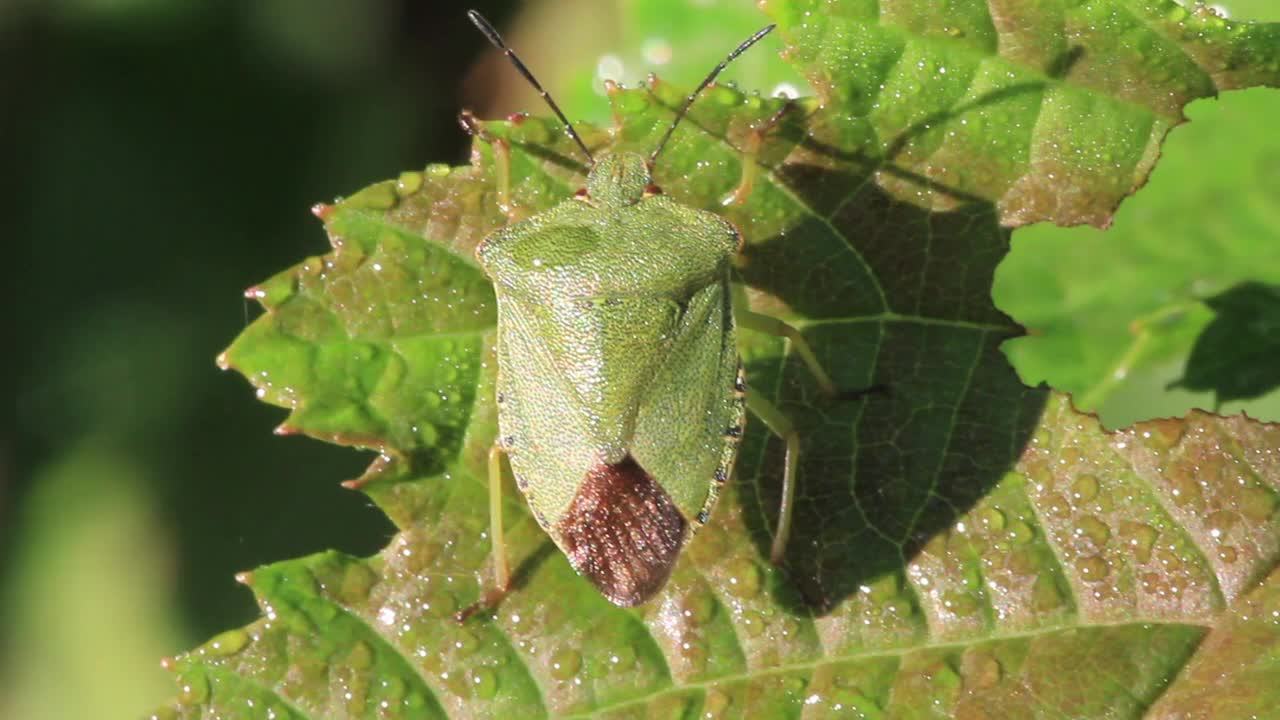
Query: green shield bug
<point x="621" y="395"/>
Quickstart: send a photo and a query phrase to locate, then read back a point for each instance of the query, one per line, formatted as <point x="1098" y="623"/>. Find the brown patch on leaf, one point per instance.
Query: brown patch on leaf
<point x="623" y="533"/>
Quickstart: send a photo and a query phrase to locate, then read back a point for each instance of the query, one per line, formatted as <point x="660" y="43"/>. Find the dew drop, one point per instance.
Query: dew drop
<point x="408" y="183"/>
<point x="1094" y="568"/>
<point x="744" y="578"/>
<point x="457" y="683"/>
<point x="1169" y="559"/>
<point x="484" y="682"/>
<point x="440" y="603"/>
<point x="566" y="662"/>
<point x="393" y="688"/>
<point x="1105" y="502"/>
<point x="1021" y="533"/>
<point x="698" y="607"/>
<point x="1140" y="537"/>
<point x="1091" y="527"/>
<point x="622" y="659"/>
<point x="1220" y="522"/>
<point x="754" y="623"/>
<point x="992" y="519"/>
<point x="465" y="643"/>
<point x="960" y="603"/>
<point x="1161" y="435"/>
<point x="227" y="643"/>
<point x="1057" y="505"/>
<point x="1085" y="488"/>
<point x="194" y="689"/>
<point x="1186" y="492"/>
<point x="1227" y="554"/>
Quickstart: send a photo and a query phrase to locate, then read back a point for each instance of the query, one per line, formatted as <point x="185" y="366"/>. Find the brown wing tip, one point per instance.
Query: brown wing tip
<point x="622" y="532"/>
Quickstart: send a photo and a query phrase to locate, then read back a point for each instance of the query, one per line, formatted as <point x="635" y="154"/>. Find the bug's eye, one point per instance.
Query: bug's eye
<point x="652" y="190"/>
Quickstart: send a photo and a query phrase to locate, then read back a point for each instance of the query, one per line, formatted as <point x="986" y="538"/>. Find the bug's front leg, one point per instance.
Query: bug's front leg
<point x="501" y="159"/>
<point x="755" y="139"/>
<point x="501" y="570"/>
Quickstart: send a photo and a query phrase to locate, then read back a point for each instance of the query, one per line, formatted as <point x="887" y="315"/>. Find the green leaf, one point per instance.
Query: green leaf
<point x="1117" y="317"/>
<point x="963" y="545"/>
<point x="624" y="42"/>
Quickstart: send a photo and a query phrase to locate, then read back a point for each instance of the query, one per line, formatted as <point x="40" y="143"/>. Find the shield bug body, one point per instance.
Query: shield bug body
<point x="621" y="396"/>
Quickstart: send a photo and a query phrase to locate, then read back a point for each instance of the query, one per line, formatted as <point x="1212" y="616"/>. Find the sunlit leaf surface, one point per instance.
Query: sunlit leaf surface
<point x="963" y="546"/>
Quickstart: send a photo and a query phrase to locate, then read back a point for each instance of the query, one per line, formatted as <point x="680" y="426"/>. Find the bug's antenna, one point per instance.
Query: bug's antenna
<point x="692" y="96"/>
<point x="496" y="39"/>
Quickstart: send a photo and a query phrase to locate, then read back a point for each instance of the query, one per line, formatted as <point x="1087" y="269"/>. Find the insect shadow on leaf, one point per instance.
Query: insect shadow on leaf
<point x="882" y="478"/>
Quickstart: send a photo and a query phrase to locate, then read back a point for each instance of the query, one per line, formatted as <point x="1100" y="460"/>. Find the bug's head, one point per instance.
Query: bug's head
<point x="622" y="178"/>
<point x="619" y="179"/>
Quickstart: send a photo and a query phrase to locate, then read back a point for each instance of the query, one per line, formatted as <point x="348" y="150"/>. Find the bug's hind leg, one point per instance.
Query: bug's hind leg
<point x="501" y="160"/>
<point x="755" y="139"/>
<point x="501" y="570"/>
<point x="779" y="424"/>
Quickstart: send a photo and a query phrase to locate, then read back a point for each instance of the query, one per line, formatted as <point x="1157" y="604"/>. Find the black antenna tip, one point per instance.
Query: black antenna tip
<point x="688" y="102"/>
<point x="489" y="32"/>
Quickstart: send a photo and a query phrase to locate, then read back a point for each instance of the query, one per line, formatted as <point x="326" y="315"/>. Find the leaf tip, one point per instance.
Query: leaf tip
<point x="169" y="663"/>
<point x="222" y="361"/>
<point x="285" y="429"/>
<point x="244" y="577"/>
<point x="322" y="210"/>
<point x="255" y="293"/>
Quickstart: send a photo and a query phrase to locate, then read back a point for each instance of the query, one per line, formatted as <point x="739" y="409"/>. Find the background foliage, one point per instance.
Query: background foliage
<point x="173" y="129"/>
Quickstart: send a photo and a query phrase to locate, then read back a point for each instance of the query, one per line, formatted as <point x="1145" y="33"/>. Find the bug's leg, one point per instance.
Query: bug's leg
<point x="779" y="424"/>
<point x="774" y="326"/>
<point x="501" y="159"/>
<point x="501" y="570"/>
<point x="755" y="139"/>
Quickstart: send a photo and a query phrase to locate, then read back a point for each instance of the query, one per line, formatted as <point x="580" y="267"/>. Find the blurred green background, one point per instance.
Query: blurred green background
<point x="159" y="156"/>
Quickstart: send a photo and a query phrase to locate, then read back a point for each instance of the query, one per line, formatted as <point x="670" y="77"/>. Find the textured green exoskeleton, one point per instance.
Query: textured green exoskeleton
<point x="621" y="397"/>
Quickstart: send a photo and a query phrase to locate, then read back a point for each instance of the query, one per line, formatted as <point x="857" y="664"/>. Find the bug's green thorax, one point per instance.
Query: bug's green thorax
<point x="618" y="180"/>
<point x="617" y="364"/>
